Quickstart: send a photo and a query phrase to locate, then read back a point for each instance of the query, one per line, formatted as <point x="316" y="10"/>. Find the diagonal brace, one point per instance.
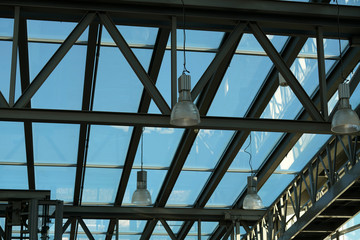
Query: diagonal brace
<point x="54" y="61"/>
<point x="286" y="72"/>
<point x="135" y="64"/>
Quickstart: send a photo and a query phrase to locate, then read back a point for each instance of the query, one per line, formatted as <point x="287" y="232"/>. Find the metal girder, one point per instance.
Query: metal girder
<point x="289" y="53"/>
<point x="14" y="56"/>
<point x="286" y="72"/>
<point x="155" y="120"/>
<point x="135" y="64"/>
<point x="7" y="195"/>
<point x="54" y="61"/>
<point x="168" y="229"/>
<point x="204" y="101"/>
<point x="86" y="229"/>
<point x="25" y="82"/>
<point x="329" y="197"/>
<point x="276" y="17"/>
<point x="154" y="69"/>
<point x="142" y="213"/>
<point x="3" y="101"/>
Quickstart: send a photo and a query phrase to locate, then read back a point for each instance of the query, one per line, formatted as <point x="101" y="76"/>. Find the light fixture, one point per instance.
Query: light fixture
<point x="141" y="196"/>
<point x="345" y="120"/>
<point x="282" y="81"/>
<point x="184" y="113"/>
<point x="252" y="200"/>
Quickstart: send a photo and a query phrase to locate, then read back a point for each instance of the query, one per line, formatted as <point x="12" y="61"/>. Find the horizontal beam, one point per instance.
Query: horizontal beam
<point x="7" y="195"/>
<point x="295" y="17"/>
<point x="147" y="213"/>
<point x="155" y="120"/>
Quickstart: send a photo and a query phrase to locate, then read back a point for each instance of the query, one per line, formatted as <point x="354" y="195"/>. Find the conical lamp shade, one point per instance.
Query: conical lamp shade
<point x="141" y="196"/>
<point x="252" y="200"/>
<point x="345" y="120"/>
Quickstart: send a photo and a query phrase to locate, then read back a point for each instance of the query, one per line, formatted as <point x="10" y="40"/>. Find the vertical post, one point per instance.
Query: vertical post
<point x="232" y="235"/>
<point x="8" y="228"/>
<point x="237" y="230"/>
<point x="59" y="220"/>
<point x="173" y="62"/>
<point x="199" y="229"/>
<point x="322" y="73"/>
<point x="117" y="229"/>
<point x="33" y="219"/>
<point x="14" y="57"/>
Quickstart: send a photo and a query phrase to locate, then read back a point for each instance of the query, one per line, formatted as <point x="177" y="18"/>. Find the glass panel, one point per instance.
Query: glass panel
<point x="196" y="63"/>
<point x="128" y="237"/>
<point x="97" y="225"/>
<point x="185" y="191"/>
<point x="63" y="88"/>
<point x="249" y="43"/>
<point x="273" y="187"/>
<point x="6" y="27"/>
<point x="13" y="177"/>
<point x="5" y="62"/>
<point x="117" y="86"/>
<point x="131" y="226"/>
<point x="155" y="179"/>
<point x="12" y="142"/>
<point x="206" y="227"/>
<point x="198" y="39"/>
<point x="347" y="2"/>
<point x="59" y="180"/>
<point x="239" y="78"/>
<point x="303" y="151"/>
<point x="160" y="145"/>
<point x="207" y="149"/>
<point x="101" y="185"/>
<point x="139" y="35"/>
<point x="261" y="145"/>
<point x="228" y="190"/>
<point x="55" y="143"/>
<point x="51" y="29"/>
<point x="108" y="145"/>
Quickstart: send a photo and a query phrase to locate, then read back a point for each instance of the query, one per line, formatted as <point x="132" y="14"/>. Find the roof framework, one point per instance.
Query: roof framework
<point x="297" y="21"/>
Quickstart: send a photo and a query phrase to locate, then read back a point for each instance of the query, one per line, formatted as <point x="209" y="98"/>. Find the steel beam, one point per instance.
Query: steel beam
<point x="141" y="213"/>
<point x="3" y="101"/>
<point x="168" y="229"/>
<point x="135" y="64"/>
<point x="25" y="82"/>
<point x="7" y="195"/>
<point x="54" y="61"/>
<point x="59" y="211"/>
<point x="154" y="69"/>
<point x="277" y="17"/>
<point x="14" y="56"/>
<point x="173" y="62"/>
<point x="286" y="72"/>
<point x="322" y="73"/>
<point x="86" y="229"/>
<point x="155" y="120"/>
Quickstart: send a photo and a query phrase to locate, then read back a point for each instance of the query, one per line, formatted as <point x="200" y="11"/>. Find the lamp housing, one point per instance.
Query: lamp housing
<point x="141" y="196"/>
<point x="185" y="112"/>
<point x="252" y="200"/>
<point x="345" y="120"/>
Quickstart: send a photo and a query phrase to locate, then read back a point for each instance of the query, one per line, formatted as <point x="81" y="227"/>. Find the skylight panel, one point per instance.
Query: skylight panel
<point x="55" y="143"/>
<point x="59" y="180"/>
<point x="100" y="185"/>
<point x="108" y="145"/>
<point x="185" y="191"/>
<point x="13" y="177"/>
<point x="6" y="27"/>
<point x="12" y="142"/>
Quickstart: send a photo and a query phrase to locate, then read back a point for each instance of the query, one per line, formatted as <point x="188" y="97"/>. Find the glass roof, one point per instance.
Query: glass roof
<point x="118" y="89"/>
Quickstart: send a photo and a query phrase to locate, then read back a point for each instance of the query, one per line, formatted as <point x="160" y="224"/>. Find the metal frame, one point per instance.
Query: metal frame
<point x="258" y="16"/>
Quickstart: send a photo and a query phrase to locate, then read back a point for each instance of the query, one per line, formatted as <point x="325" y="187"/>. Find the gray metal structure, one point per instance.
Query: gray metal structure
<point x="322" y="190"/>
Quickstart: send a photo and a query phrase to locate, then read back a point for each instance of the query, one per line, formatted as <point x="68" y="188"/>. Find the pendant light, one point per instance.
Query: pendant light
<point x="252" y="200"/>
<point x="185" y="112"/>
<point x="141" y="196"/>
<point x="345" y="120"/>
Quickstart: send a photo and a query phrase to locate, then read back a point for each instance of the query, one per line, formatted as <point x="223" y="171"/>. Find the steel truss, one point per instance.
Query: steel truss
<point x="259" y="17"/>
<point x="316" y="187"/>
